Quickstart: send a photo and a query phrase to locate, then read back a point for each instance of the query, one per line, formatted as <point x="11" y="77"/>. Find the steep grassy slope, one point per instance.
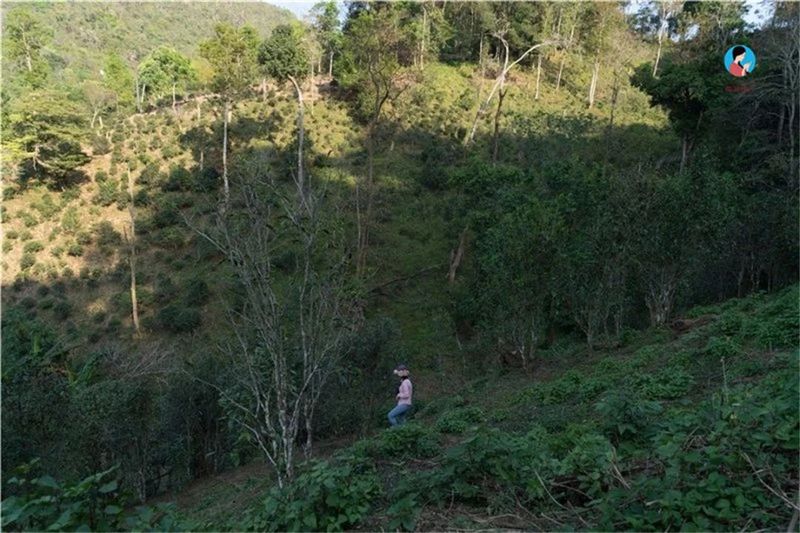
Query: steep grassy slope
<point x="697" y="430"/>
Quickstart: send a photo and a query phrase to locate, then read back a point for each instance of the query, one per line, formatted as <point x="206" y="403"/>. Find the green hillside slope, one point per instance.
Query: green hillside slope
<point x="596" y="294"/>
<point x="694" y="431"/>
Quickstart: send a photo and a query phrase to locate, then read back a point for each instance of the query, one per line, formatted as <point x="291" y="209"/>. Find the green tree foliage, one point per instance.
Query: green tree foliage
<point x="118" y="78"/>
<point x="283" y="54"/>
<point x="165" y="70"/>
<point x="374" y="55"/>
<point x="232" y="53"/>
<point x="24" y="37"/>
<point x="45" y="132"/>
<point x="326" y="28"/>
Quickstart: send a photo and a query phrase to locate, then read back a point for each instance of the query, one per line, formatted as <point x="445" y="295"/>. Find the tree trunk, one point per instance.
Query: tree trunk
<point x="658" y="51"/>
<point x="456" y="257"/>
<point x="561" y="70"/>
<point x="496" y="147"/>
<point x="684" y="153"/>
<point x="173" y="99"/>
<point x="422" y="44"/>
<point x="225" y="118"/>
<point x="300" y="139"/>
<point x="94" y="117"/>
<point x="330" y="64"/>
<point x="132" y="213"/>
<point x="593" y="85"/>
<point x="499" y="82"/>
<point x="538" y="75"/>
<point x="659" y="298"/>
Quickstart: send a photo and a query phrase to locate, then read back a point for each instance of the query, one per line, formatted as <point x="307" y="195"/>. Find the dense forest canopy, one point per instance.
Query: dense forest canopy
<point x="224" y="227"/>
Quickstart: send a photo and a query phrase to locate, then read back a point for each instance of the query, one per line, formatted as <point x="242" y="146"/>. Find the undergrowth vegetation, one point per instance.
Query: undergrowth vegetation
<point x="701" y="441"/>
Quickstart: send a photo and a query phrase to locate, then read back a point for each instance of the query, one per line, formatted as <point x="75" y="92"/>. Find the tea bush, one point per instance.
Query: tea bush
<point x="406" y="440"/>
<point x="46" y="206"/>
<point x="719" y="347"/>
<point x="671" y="382"/>
<point x="28" y="218"/>
<point x="70" y="222"/>
<point x="329" y="496"/>
<point x="178" y="319"/>
<point x="106" y="234"/>
<point x="32" y="247"/>
<point x="27" y="261"/>
<point x="459" y="419"/>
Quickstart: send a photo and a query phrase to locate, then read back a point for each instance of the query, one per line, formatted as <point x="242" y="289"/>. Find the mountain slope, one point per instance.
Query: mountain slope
<point x="84" y="33"/>
<point x="689" y="430"/>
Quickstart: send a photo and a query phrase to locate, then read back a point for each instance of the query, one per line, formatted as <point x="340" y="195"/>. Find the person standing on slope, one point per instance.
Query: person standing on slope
<point x="397" y="415"/>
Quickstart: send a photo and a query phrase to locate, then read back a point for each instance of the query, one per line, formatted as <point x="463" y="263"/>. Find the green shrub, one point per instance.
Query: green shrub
<point x="170" y="238"/>
<point x="106" y="192"/>
<point x="70" y="222"/>
<point x="458" y="420"/>
<point x="31" y="247"/>
<point x="166" y="213"/>
<point x="7" y="245"/>
<point x="206" y="180"/>
<point x="27" y="261"/>
<point x="669" y="383"/>
<point x="718" y="347"/>
<point x="626" y="414"/>
<point x="100" y="145"/>
<point x="40" y="503"/>
<point x="12" y="234"/>
<point x="74" y="249"/>
<point x="25" y="235"/>
<point x="170" y="152"/>
<point x="150" y="174"/>
<point x="101" y="176"/>
<point x="407" y="440"/>
<point x="62" y="309"/>
<point x="28" y="219"/>
<point x="775" y="324"/>
<point x="84" y="238"/>
<point x="46" y="207"/>
<point x="197" y="292"/>
<point x="590" y="460"/>
<point x="327" y="497"/>
<point x="106" y="234"/>
<point x="178" y="319"/>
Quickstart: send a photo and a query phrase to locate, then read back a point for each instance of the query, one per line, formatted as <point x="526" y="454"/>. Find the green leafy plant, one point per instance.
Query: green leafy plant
<point x="329" y="496"/>
<point x="39" y="502"/>
<point x="459" y="419"/>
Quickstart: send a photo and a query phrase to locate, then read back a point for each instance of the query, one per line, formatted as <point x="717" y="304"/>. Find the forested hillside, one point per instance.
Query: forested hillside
<point x="223" y="228"/>
<point x="82" y="41"/>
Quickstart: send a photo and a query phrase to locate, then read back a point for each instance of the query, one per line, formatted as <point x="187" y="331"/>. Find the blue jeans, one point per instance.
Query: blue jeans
<point x="397" y="415"/>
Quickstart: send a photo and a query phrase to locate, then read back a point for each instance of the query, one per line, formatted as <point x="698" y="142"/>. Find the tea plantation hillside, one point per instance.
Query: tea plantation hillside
<point x="695" y="430"/>
<point x="224" y="231"/>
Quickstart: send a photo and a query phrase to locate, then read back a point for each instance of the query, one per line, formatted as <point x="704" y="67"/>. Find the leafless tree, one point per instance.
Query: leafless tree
<point x="288" y="333"/>
<point x="499" y="83"/>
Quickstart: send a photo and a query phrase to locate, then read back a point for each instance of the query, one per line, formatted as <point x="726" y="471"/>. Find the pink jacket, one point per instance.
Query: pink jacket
<point x="404" y="395"/>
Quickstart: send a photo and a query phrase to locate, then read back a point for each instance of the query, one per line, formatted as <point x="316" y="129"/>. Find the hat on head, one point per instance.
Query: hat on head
<point x="401" y="367"/>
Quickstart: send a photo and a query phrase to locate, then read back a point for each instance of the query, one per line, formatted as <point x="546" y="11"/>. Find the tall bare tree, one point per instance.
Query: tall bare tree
<point x="499" y="82"/>
<point x="293" y="319"/>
